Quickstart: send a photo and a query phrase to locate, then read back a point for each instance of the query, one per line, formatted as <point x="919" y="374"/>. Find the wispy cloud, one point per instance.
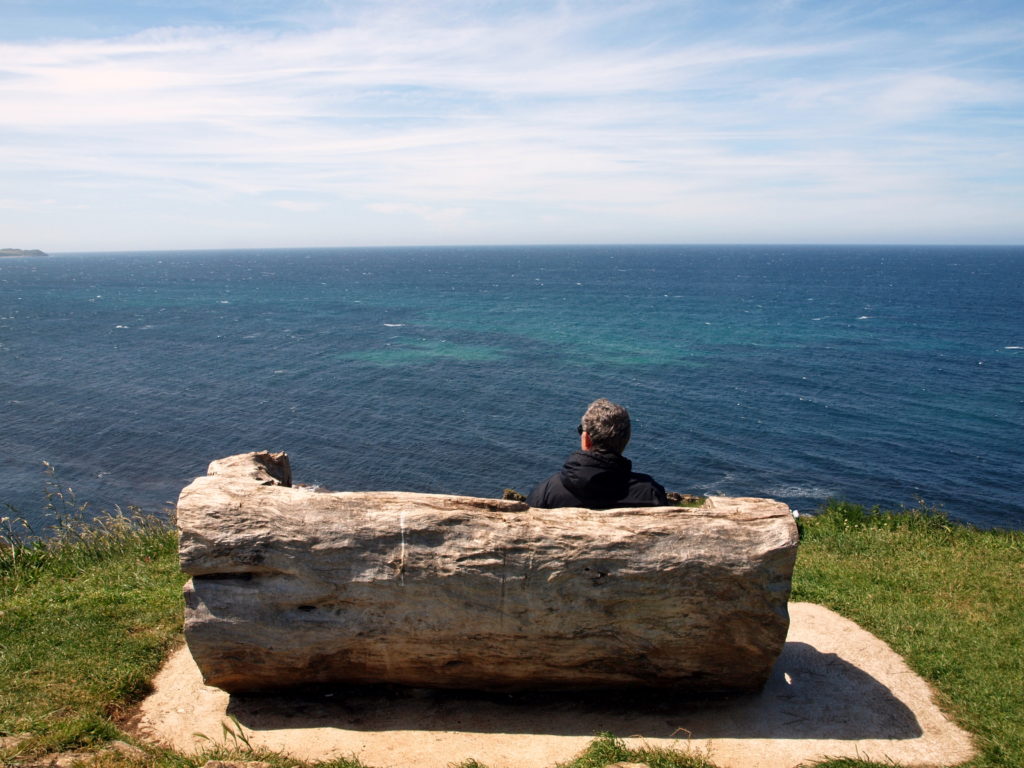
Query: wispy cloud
<point x="634" y="122"/>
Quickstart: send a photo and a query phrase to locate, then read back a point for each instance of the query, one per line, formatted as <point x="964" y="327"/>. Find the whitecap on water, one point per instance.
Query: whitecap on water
<point x="798" y="491"/>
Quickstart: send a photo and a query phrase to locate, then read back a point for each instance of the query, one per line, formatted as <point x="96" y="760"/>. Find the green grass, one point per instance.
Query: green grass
<point x="87" y="616"/>
<point x="946" y="597"/>
<point x="85" y="625"/>
<point x="607" y="749"/>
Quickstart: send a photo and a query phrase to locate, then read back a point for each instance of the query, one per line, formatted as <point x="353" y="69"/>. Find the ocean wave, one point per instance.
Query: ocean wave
<point x="800" y="491"/>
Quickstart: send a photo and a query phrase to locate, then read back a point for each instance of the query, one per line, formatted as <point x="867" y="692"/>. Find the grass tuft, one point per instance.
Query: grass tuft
<point x="74" y="539"/>
<point x="606" y="749"/>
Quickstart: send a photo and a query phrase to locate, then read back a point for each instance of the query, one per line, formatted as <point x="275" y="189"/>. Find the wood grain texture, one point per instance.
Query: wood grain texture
<point x="291" y="586"/>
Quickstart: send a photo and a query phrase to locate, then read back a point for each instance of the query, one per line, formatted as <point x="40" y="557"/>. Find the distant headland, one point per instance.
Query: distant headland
<point x="19" y="252"/>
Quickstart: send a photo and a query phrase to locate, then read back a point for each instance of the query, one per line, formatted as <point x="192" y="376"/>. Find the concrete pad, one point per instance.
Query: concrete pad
<point x="836" y="691"/>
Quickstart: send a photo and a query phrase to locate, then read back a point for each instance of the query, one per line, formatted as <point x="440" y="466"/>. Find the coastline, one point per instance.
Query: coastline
<point x="17" y="253"/>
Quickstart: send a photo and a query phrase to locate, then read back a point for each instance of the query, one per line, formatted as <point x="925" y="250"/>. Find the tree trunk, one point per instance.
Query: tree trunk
<point x="292" y="586"/>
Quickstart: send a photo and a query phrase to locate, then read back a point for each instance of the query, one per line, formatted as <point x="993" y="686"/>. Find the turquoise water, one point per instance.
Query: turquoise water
<point x="880" y="375"/>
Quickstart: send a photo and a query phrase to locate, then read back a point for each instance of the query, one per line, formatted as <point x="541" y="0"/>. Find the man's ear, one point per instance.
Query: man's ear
<point x="585" y="442"/>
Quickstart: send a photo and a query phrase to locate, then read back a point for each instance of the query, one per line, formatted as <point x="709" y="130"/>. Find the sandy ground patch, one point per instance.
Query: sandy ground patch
<point x="836" y="691"/>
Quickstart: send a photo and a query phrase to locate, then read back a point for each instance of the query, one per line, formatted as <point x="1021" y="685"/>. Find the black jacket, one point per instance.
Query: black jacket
<point x="597" y="480"/>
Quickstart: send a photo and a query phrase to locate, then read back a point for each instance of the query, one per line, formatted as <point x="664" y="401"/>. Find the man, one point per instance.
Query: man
<point x="598" y="476"/>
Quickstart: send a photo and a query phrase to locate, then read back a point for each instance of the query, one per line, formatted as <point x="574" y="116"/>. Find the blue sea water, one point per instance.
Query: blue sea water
<point x="882" y="375"/>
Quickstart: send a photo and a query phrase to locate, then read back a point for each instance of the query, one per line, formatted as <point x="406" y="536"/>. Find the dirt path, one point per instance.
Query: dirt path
<point x="836" y="691"/>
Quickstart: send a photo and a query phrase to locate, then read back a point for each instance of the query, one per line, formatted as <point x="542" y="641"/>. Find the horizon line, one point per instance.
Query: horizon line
<point x="495" y="246"/>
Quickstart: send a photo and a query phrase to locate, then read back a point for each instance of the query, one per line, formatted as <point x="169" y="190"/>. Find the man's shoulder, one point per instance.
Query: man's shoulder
<point x="643" y="487"/>
<point x="539" y="496"/>
<point x="643" y="478"/>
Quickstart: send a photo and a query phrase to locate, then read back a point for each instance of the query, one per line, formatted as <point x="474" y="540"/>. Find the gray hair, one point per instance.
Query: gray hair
<point x="608" y="425"/>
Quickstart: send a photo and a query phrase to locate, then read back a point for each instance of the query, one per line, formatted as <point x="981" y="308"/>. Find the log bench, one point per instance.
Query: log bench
<point x="292" y="586"/>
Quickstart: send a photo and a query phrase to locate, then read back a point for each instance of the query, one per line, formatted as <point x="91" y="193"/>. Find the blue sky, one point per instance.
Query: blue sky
<point x="231" y="123"/>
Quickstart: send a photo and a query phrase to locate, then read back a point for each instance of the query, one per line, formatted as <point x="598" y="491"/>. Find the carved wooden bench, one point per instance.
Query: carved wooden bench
<point x="291" y="586"/>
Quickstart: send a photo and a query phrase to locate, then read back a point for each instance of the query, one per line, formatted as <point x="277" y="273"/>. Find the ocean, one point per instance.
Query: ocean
<point x="879" y="375"/>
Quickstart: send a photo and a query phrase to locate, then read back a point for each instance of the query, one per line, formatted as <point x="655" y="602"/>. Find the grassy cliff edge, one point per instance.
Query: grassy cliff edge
<point x="87" y="617"/>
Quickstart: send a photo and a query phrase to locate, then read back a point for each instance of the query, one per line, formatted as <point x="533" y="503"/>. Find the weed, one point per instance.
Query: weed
<point x="74" y="539"/>
<point x="607" y="749"/>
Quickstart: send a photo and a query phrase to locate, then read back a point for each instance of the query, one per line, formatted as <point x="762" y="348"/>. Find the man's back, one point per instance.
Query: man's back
<point x="597" y="480"/>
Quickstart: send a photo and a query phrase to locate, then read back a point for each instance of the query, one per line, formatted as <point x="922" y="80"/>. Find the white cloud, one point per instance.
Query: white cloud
<point x="920" y="95"/>
<point x="443" y="118"/>
<point x="298" y="206"/>
<point x="433" y="215"/>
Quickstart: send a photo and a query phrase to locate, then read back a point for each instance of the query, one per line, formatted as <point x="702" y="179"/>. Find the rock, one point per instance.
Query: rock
<point x="126" y="749"/>
<point x="78" y="757"/>
<point x="294" y="587"/>
<point x="14" y="740"/>
<point x="62" y="760"/>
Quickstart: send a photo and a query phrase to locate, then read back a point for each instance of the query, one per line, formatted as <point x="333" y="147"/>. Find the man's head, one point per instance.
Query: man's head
<point x="607" y="426"/>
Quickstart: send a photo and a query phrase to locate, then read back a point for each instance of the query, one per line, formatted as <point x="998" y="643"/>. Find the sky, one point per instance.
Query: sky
<point x="179" y="124"/>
